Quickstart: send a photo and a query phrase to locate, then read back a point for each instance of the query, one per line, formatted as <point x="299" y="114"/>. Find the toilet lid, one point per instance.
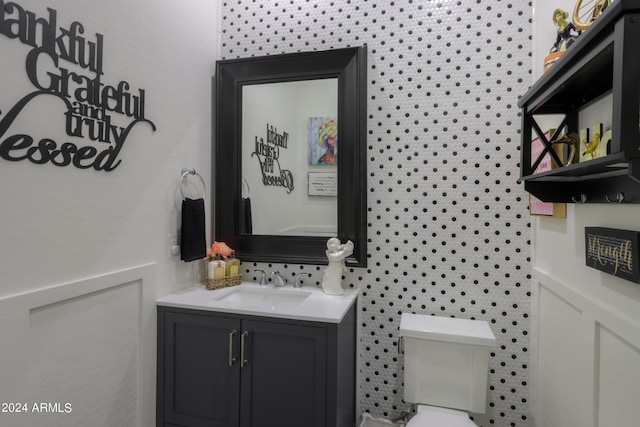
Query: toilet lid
<point x="428" y="418"/>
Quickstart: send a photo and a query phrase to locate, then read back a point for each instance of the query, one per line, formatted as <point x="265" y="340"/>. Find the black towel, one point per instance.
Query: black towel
<point x="193" y="244"/>
<point x="246" y="222"/>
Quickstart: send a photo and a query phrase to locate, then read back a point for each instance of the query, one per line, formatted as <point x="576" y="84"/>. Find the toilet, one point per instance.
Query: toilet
<point x="446" y="362"/>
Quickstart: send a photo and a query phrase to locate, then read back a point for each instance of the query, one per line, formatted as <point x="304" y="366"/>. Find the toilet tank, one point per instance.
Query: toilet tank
<point x="446" y="361"/>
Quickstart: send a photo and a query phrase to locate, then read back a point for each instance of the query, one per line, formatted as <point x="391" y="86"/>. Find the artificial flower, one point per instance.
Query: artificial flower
<point x="219" y="248"/>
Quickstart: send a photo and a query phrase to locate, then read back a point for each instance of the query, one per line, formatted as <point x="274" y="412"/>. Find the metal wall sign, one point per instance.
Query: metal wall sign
<point x="613" y="251"/>
<point x="268" y="155"/>
<point x="67" y="63"/>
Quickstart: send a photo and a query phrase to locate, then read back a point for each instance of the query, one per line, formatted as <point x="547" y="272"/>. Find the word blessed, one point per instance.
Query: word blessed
<point x="87" y="102"/>
<point x="268" y="154"/>
<point x="611" y="251"/>
<point x="21" y="146"/>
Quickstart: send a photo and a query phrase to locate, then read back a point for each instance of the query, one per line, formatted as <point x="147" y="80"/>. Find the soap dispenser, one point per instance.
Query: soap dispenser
<point x="232" y="265"/>
<point x="216" y="269"/>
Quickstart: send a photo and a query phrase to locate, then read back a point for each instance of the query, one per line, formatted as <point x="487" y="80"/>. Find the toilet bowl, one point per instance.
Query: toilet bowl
<point x="446" y="363"/>
<point x="432" y="416"/>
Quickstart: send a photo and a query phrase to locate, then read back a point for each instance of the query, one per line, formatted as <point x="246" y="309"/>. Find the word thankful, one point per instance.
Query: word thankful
<point x="51" y="46"/>
<point x="42" y="34"/>
<point x="268" y="154"/>
<point x="89" y="102"/>
<point x="275" y="138"/>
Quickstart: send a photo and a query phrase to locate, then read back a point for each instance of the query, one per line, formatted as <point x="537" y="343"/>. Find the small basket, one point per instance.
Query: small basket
<point x="223" y="282"/>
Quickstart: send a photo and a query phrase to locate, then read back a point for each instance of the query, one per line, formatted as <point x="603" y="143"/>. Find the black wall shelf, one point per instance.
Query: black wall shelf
<point x="604" y="60"/>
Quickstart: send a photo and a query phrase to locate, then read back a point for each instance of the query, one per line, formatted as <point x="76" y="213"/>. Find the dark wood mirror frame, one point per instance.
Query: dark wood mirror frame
<point x="349" y="66"/>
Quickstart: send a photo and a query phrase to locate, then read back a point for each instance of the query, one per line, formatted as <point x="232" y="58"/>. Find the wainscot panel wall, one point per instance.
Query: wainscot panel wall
<point x="448" y="224"/>
<point x="84" y="253"/>
<point x="585" y="324"/>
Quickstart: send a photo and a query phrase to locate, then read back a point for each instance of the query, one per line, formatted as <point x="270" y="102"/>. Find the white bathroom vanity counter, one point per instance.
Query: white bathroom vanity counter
<point x="306" y="303"/>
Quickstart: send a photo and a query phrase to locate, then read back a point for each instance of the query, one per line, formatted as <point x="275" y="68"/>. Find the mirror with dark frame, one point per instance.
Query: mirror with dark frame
<point x="290" y="155"/>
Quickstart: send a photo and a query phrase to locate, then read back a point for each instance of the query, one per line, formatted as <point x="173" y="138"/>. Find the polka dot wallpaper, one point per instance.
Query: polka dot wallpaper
<point x="448" y="224"/>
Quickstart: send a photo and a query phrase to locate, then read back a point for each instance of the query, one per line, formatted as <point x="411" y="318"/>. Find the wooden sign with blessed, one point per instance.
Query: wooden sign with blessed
<point x="613" y="251"/>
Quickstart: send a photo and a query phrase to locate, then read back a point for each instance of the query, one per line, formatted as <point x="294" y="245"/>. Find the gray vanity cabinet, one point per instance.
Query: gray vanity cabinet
<point x="193" y="370"/>
<point x="284" y="382"/>
<point x="226" y="370"/>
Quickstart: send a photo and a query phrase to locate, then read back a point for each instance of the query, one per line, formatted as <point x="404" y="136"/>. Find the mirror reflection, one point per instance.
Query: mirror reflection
<point x="290" y="145"/>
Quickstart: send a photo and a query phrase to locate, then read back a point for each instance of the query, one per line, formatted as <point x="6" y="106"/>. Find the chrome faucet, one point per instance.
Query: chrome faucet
<point x="298" y="281"/>
<point x="279" y="281"/>
<point x="263" y="277"/>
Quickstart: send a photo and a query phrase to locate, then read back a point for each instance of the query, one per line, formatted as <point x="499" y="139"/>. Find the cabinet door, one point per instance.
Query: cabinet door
<point x="284" y="378"/>
<point x="200" y="386"/>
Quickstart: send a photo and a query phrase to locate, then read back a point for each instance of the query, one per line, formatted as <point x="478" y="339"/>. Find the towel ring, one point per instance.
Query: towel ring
<point x="186" y="172"/>
<point x="245" y="185"/>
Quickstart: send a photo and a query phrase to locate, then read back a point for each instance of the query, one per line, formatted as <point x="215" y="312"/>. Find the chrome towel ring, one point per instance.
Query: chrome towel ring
<point x="184" y="172"/>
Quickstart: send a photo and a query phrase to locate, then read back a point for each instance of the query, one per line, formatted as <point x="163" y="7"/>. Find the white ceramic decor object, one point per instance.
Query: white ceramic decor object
<point x="336" y="253"/>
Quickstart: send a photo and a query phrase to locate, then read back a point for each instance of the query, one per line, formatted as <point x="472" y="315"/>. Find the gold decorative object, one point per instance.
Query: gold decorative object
<point x="595" y="143"/>
<point x="566" y="35"/>
<point x="567" y="32"/>
<point x="572" y="139"/>
<point x="592" y="145"/>
<point x="586" y="12"/>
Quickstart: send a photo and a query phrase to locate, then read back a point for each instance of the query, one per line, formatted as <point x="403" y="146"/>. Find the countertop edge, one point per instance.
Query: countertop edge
<point x="349" y="299"/>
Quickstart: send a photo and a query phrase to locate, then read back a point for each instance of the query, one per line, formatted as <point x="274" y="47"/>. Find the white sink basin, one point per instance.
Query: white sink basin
<point x="270" y="298"/>
<point x="308" y="303"/>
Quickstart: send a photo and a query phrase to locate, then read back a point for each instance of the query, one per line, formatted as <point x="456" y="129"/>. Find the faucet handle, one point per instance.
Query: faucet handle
<point x="263" y="277"/>
<point x="298" y="282"/>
